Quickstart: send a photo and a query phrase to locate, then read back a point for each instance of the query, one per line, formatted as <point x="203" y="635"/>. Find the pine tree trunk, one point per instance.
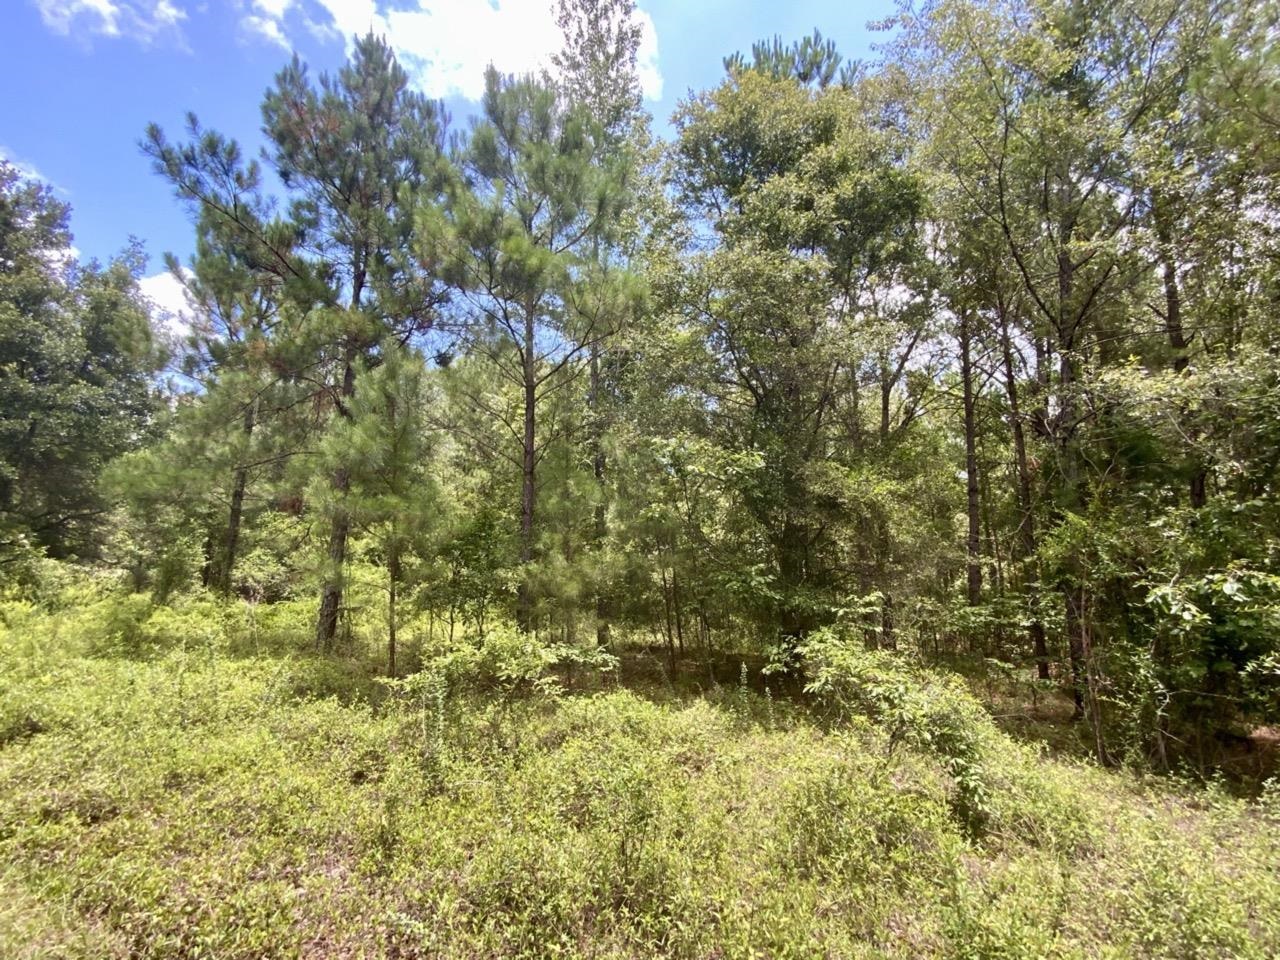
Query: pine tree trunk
<point x="240" y="483"/>
<point x="331" y="592"/>
<point x="973" y="540"/>
<point x="601" y="530"/>
<point x="524" y="598"/>
<point x="393" y="580"/>
<point x="1026" y="516"/>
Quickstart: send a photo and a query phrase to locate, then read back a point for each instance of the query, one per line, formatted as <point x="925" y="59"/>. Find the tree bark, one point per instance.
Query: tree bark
<point x="601" y="529"/>
<point x="240" y="483"/>
<point x="524" y="598"/>
<point x="393" y="580"/>
<point x="1026" y="515"/>
<point x="973" y="540"/>
<point x="331" y="592"/>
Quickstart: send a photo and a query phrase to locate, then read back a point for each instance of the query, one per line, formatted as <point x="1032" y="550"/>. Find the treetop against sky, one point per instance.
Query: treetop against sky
<point x="85" y="77"/>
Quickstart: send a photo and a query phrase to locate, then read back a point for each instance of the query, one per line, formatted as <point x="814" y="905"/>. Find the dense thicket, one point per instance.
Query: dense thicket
<point x="77" y="358"/>
<point x="967" y="353"/>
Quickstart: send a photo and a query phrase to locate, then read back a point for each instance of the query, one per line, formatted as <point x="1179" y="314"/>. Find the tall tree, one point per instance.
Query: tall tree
<point x="533" y="194"/>
<point x="391" y="494"/>
<point x="597" y="70"/>
<point x="78" y="357"/>
<point x="597" y="67"/>
<point x="1022" y="108"/>
<point x="245" y="270"/>
<point x="358" y="152"/>
<point x="809" y="212"/>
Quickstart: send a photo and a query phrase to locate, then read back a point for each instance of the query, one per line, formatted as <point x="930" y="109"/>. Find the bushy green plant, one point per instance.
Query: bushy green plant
<point x="848" y="822"/>
<point x="206" y="801"/>
<point x="116" y="625"/>
<point x="927" y="710"/>
<point x="318" y="678"/>
<point x="514" y="663"/>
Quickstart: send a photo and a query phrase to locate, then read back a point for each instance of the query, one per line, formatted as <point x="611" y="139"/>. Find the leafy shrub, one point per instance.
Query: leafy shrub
<point x="1035" y="801"/>
<point x="849" y="823"/>
<point x="20" y="715"/>
<point x="515" y="664"/>
<point x="927" y="710"/>
<point x="198" y="803"/>
<point x="319" y="678"/>
<point x="115" y="625"/>
<point x="1173" y="903"/>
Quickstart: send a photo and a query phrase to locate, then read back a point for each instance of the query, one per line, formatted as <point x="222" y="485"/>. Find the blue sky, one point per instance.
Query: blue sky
<point x="83" y="78"/>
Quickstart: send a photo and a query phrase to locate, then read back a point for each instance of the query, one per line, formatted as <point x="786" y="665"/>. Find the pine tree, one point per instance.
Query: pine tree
<point x="533" y="194"/>
<point x="385" y="441"/>
<point x="245" y="274"/>
<point x="356" y="152"/>
<point x="597" y="70"/>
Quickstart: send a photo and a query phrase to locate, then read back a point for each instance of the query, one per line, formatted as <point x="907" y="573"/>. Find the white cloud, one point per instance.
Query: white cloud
<point x="346" y="17"/>
<point x="265" y="19"/>
<point x="446" y="44"/>
<point x="273" y="9"/>
<point x="266" y="28"/>
<point x="449" y="45"/>
<point x="98" y="16"/>
<point x="647" y="58"/>
<point x="171" y="310"/>
<point x="142" y="20"/>
<point x="29" y="170"/>
<point x="165" y="14"/>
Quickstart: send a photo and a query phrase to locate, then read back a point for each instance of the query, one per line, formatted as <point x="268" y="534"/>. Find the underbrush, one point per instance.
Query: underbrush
<point x="185" y="783"/>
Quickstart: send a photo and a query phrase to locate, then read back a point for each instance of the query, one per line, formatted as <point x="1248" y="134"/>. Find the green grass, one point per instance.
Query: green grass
<point x="171" y="789"/>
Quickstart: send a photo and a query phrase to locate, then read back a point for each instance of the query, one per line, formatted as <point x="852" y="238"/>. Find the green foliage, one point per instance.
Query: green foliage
<point x="718" y="396"/>
<point x="863" y="377"/>
<point x="199" y="803"/>
<point x="77" y="357"/>
<point x="812" y="60"/>
<point x="925" y="710"/>
<point x="511" y="663"/>
<point x="813" y="217"/>
<point x="848" y="824"/>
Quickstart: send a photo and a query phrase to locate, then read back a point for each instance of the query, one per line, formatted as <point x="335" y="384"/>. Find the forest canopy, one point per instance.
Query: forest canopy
<point x="965" y="351"/>
<point x="948" y="371"/>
